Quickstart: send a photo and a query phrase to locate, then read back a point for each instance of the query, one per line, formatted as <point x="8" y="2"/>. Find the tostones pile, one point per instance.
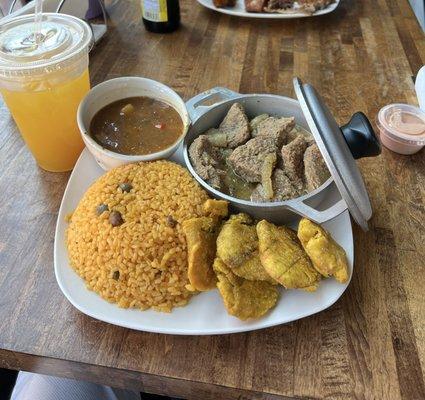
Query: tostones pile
<point x="247" y="260"/>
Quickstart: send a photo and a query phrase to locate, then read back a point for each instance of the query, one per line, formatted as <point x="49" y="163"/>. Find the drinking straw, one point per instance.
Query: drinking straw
<point x="38" y="17"/>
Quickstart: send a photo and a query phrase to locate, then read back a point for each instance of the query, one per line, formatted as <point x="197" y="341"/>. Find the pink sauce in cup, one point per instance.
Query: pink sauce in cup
<point x="402" y="128"/>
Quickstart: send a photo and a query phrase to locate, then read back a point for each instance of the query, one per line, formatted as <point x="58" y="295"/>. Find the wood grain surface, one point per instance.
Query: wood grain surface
<point x="369" y="345"/>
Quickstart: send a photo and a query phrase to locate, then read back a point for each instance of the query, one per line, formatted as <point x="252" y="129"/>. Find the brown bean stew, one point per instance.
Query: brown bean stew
<point x="136" y="126"/>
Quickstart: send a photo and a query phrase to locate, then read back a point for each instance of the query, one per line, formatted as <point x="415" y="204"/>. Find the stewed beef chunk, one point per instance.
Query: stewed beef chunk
<point x="292" y="158"/>
<point x="205" y="159"/>
<point x="276" y="128"/>
<point x="247" y="160"/>
<point x="236" y="126"/>
<point x="315" y="170"/>
<point x="283" y="189"/>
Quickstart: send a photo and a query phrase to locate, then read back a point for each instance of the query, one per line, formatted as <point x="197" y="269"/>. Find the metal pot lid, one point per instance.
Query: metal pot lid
<point x="339" y="147"/>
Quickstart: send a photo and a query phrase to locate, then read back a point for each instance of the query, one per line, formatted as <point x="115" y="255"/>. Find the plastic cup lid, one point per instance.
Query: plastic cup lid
<point x="335" y="152"/>
<point x="404" y="123"/>
<point x="22" y="50"/>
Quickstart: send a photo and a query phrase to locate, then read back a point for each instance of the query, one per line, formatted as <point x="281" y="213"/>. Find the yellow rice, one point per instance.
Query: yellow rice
<point x="149" y="254"/>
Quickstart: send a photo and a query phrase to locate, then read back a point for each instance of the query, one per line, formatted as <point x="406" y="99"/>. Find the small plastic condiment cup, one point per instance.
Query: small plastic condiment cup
<point x="402" y="128"/>
<point x="121" y="88"/>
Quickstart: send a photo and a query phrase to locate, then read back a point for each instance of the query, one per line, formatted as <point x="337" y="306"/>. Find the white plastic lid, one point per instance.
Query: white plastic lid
<point x="61" y="38"/>
<point x="404" y="123"/>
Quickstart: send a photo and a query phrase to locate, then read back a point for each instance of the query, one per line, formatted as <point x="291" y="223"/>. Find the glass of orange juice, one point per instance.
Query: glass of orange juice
<point x="43" y="77"/>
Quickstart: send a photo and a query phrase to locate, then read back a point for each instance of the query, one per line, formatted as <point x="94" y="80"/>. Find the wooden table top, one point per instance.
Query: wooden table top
<point x="370" y="344"/>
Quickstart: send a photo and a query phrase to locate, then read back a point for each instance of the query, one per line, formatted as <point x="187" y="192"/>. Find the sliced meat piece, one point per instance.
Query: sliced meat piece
<point x="224" y="3"/>
<point x="247" y="160"/>
<point x="205" y="159"/>
<point x="315" y="170"/>
<point x="283" y="189"/>
<point x="255" y="5"/>
<point x="298" y="131"/>
<point x="276" y="128"/>
<point x="274" y="5"/>
<point x="311" y="6"/>
<point x="292" y="158"/>
<point x="216" y="138"/>
<point x="255" y="121"/>
<point x="236" y="126"/>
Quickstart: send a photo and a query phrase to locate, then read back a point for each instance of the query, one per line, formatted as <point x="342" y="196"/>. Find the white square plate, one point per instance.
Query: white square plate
<point x="205" y="314"/>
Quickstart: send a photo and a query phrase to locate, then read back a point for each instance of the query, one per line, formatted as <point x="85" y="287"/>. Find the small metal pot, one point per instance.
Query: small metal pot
<point x="208" y="109"/>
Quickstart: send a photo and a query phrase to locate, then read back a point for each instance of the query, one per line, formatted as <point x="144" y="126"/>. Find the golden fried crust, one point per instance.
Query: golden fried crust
<point x="242" y="298"/>
<point x="328" y="257"/>
<point x="284" y="259"/>
<point x="253" y="270"/>
<point x="201" y="235"/>
<point x="237" y="246"/>
<point x="221" y="268"/>
<point x="216" y="208"/>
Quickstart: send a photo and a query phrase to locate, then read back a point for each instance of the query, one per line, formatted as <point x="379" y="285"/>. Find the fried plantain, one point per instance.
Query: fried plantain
<point x="201" y="235"/>
<point x="328" y="257"/>
<point x="283" y="257"/>
<point x="237" y="246"/>
<point x="216" y="208"/>
<point x="242" y="298"/>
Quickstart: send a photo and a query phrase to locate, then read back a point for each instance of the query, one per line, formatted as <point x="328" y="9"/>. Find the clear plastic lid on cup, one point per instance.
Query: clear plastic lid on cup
<point x="402" y="128"/>
<point x="43" y="77"/>
<point x="61" y="41"/>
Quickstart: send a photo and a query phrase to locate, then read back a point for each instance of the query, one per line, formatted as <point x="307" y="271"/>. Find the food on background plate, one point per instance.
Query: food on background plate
<point x="284" y="259"/>
<point x="244" y="298"/>
<point x="136" y="126"/>
<point x="328" y="257"/>
<point x="311" y="6"/>
<point x="140" y="262"/>
<point x="278" y="6"/>
<point x="266" y="159"/>
<point x="224" y="3"/>
<point x="255" y="5"/>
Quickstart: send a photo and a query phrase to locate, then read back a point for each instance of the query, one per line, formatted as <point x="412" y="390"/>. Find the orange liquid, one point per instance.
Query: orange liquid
<point x="47" y="120"/>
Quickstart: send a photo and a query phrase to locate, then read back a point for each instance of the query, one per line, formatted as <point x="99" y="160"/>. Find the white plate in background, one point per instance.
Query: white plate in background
<point x="239" y="11"/>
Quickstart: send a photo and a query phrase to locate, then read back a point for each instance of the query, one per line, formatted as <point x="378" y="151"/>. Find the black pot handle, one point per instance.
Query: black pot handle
<point x="360" y="137"/>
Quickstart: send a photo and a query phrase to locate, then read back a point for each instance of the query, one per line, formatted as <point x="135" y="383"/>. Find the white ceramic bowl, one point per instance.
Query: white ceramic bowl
<point x="121" y="88"/>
